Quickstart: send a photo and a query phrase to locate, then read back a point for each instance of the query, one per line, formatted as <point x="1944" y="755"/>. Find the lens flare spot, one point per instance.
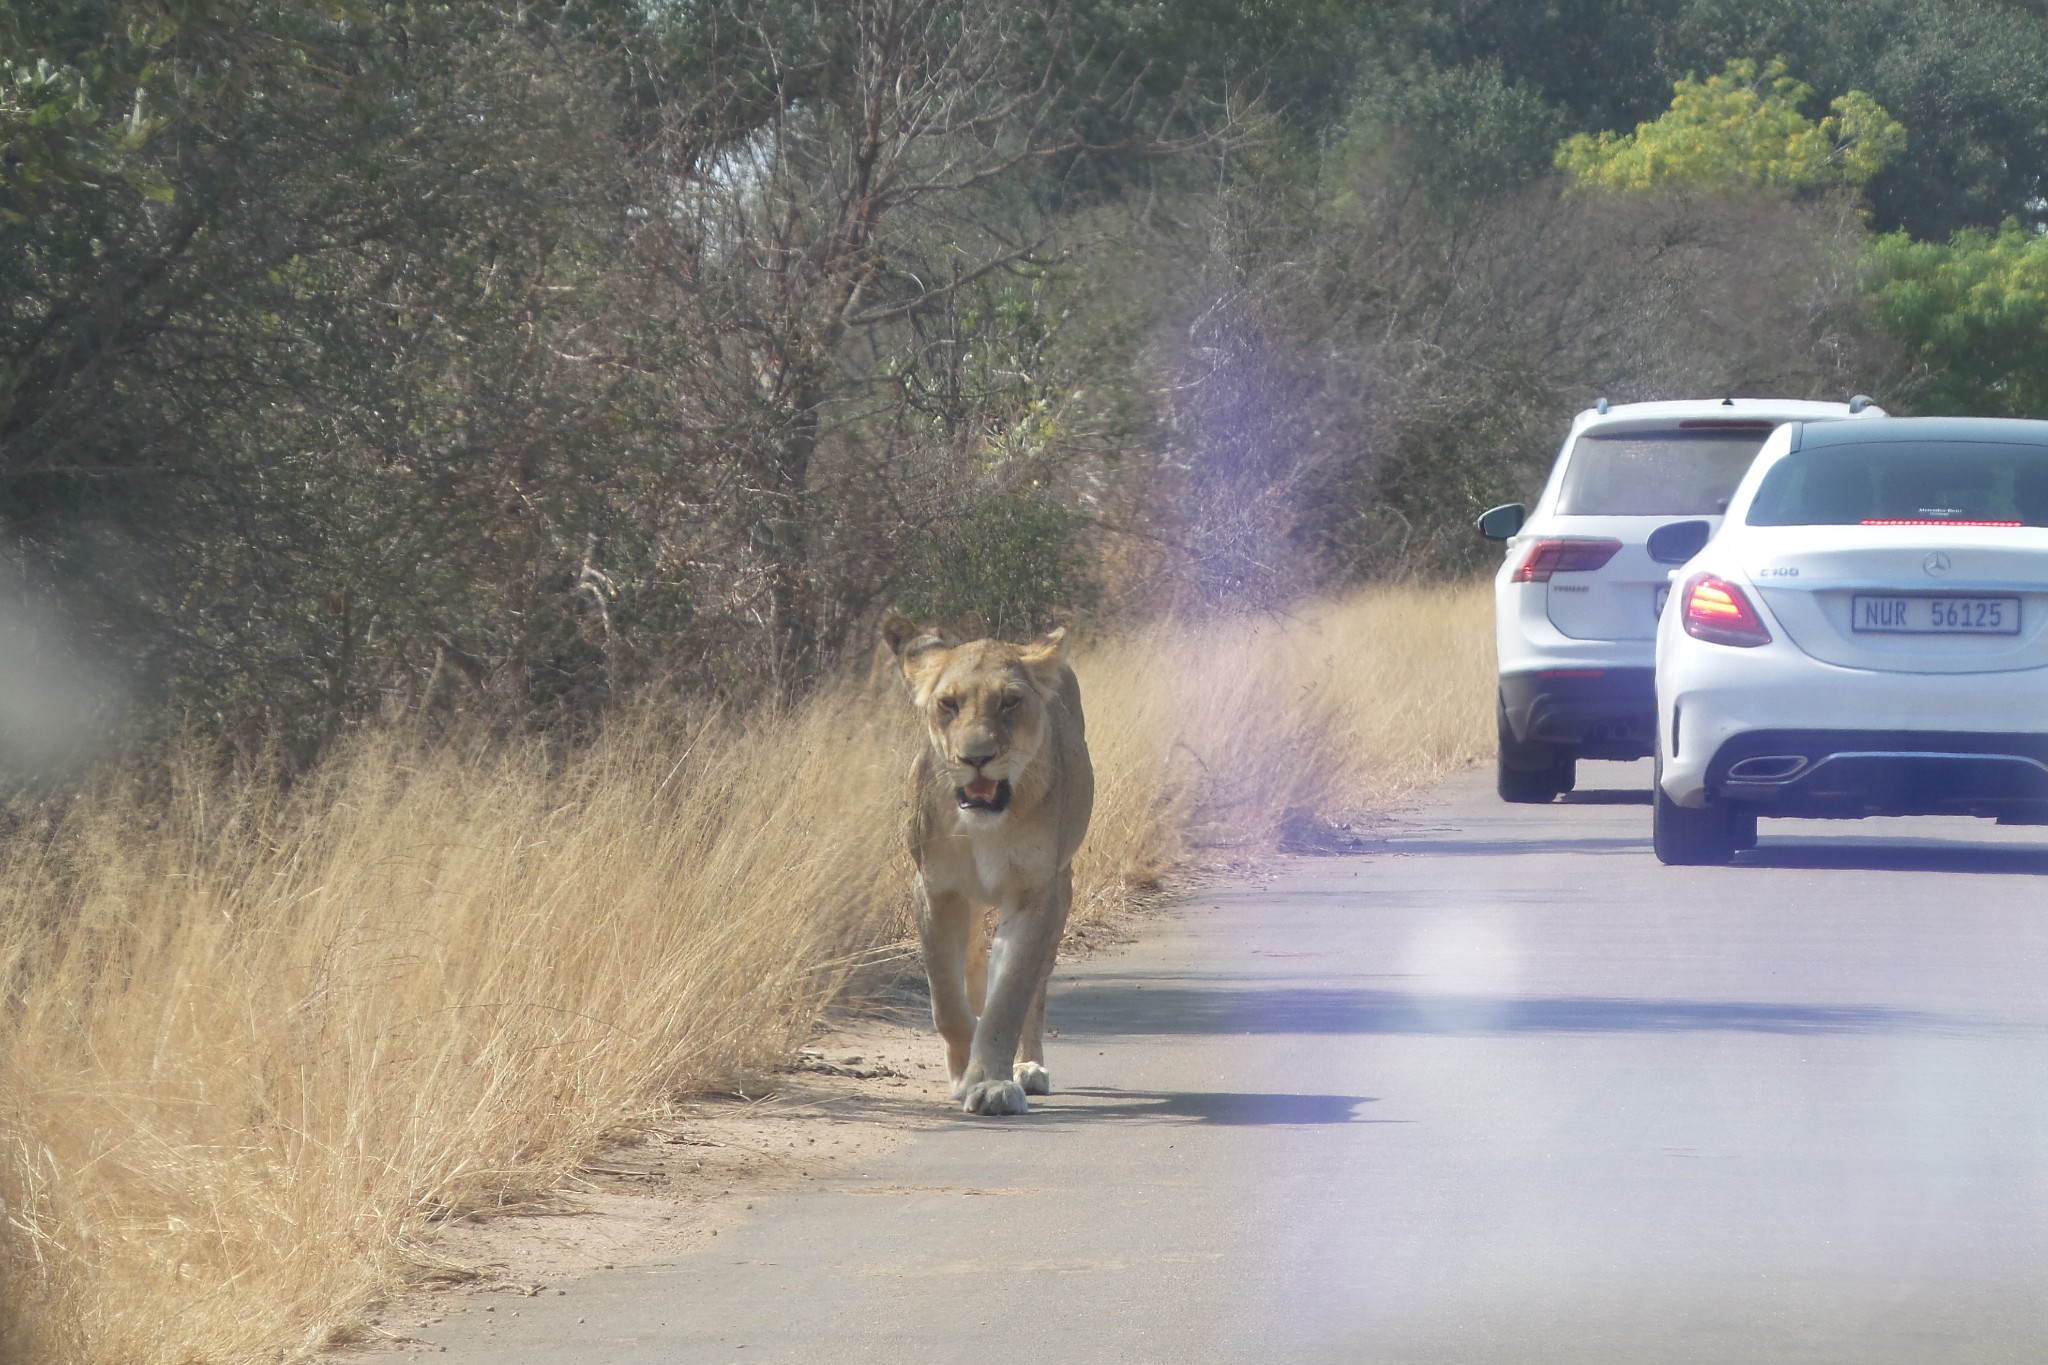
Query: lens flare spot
<point x="1462" y="957"/>
<point x="1462" y="973"/>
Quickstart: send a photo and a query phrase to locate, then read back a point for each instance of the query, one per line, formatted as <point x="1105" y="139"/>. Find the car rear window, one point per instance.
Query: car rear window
<point x="1894" y="482"/>
<point x="1683" y="472"/>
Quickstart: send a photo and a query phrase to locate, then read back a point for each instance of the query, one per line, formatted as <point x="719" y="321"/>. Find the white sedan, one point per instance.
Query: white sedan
<point x="1866" y="634"/>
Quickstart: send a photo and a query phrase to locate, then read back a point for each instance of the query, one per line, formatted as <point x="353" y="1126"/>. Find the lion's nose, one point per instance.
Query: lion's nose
<point x="977" y="757"/>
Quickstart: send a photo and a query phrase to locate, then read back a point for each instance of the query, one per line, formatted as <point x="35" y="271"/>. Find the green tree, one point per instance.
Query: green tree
<point x="1602" y="63"/>
<point x="1963" y="75"/>
<point x="1975" y="312"/>
<point x="1741" y="128"/>
<point x="1461" y="133"/>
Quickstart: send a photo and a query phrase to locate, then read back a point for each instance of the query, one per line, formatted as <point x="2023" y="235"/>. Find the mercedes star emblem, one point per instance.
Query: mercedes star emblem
<point x="1936" y="563"/>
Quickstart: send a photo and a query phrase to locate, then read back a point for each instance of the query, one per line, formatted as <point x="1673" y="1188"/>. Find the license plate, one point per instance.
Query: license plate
<point x="1936" y="615"/>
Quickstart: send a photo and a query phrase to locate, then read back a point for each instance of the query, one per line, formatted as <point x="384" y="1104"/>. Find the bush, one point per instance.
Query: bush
<point x="1012" y="564"/>
<point x="1974" y="311"/>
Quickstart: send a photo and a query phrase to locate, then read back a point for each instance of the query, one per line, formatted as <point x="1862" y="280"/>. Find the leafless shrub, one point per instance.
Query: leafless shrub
<point x="1357" y="376"/>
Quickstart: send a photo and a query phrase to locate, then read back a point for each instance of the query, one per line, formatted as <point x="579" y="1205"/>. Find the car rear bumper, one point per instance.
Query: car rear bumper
<point x="1718" y="704"/>
<point x="1852" y="773"/>
<point x="1597" y="712"/>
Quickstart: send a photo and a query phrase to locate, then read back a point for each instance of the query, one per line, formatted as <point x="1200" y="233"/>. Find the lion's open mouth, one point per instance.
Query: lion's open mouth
<point x="983" y="793"/>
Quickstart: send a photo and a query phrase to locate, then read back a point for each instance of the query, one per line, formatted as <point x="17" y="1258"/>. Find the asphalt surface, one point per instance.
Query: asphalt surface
<point x="1502" y="1089"/>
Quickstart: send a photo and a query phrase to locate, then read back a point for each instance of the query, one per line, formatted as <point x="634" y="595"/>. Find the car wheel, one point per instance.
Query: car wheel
<point x="1693" y="838"/>
<point x="1564" y="774"/>
<point x="1529" y="774"/>
<point x="1745" y="830"/>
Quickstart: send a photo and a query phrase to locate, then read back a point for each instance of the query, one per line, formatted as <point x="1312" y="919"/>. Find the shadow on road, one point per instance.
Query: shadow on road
<point x="1912" y="855"/>
<point x="1201" y="1106"/>
<point x="1631" y="797"/>
<point x="1123" y="1006"/>
<point x="1483" y="848"/>
<point x="1917" y="855"/>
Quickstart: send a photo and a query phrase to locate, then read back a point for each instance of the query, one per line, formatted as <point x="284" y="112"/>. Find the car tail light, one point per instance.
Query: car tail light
<point x="1716" y="610"/>
<point x="1547" y="557"/>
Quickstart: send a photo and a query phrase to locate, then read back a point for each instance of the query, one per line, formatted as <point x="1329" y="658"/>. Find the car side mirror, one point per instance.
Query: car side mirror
<point x="1501" y="523"/>
<point x="1679" y="541"/>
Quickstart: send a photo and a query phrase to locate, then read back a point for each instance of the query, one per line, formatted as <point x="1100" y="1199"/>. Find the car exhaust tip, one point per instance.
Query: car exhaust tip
<point x="1768" y="768"/>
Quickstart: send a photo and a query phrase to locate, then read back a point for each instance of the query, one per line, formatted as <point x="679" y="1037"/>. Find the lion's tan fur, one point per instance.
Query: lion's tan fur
<point x="994" y="712"/>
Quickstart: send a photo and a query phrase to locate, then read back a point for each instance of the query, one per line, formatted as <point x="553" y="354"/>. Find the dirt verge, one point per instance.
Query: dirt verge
<point x="862" y="1088"/>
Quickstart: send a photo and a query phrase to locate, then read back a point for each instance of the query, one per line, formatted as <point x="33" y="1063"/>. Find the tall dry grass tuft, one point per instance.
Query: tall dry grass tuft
<point x="1213" y="736"/>
<point x="258" y="1041"/>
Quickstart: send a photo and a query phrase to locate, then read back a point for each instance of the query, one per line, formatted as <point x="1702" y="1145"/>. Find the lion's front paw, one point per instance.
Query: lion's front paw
<point x="1035" y="1079"/>
<point x="994" y="1098"/>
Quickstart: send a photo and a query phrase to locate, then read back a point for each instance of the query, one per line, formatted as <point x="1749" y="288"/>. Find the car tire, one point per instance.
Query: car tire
<point x="1564" y="774"/>
<point x="1693" y="838"/>
<point x="1745" y="830"/>
<point x="1529" y="774"/>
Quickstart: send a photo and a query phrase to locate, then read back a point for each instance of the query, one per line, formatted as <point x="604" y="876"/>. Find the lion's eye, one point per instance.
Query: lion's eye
<point x="950" y="705"/>
<point x="1012" y="703"/>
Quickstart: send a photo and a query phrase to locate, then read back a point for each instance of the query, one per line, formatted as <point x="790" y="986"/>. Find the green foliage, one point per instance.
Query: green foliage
<point x="1011" y="564"/>
<point x="1603" y="63"/>
<point x="1963" y="75"/>
<point x="1299" y="58"/>
<point x="1462" y="133"/>
<point x="1741" y="129"/>
<point x="54" y="137"/>
<point x="1975" y="311"/>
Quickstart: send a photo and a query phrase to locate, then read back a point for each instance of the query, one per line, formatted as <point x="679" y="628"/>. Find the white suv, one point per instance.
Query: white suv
<point x="1578" y="595"/>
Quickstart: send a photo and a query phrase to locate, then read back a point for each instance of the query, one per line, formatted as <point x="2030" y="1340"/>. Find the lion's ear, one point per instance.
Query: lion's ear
<point x="1046" y="649"/>
<point x="912" y="644"/>
<point x="1045" y="657"/>
<point x="898" y="631"/>
<point x="906" y="638"/>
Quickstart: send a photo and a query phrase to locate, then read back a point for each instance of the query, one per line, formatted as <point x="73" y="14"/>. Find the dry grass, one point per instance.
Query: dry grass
<point x="1211" y="737"/>
<point x="256" y="1043"/>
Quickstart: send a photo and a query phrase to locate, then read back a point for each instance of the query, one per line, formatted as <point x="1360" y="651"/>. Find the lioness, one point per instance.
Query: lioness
<point x="1000" y="798"/>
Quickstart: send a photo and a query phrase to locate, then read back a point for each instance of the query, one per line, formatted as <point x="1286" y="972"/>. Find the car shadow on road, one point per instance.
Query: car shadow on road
<point x="2022" y="860"/>
<point x="1507" y="848"/>
<point x="1630" y="797"/>
<point x="1228" y="1108"/>
<point x="1119" y="1007"/>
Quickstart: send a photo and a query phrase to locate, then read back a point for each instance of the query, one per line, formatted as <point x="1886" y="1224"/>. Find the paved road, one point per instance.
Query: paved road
<point x="1505" y="1090"/>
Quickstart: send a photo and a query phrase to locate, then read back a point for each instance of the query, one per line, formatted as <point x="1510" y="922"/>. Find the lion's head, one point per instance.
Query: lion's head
<point x="984" y="708"/>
